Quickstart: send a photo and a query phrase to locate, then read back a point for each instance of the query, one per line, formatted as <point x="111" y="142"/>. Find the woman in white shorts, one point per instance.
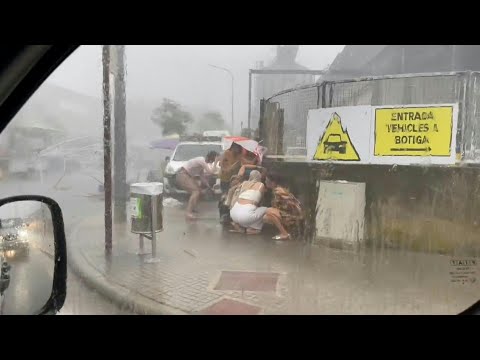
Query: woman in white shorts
<point x="246" y="215"/>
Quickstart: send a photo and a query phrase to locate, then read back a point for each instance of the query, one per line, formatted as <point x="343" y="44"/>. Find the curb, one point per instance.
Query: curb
<point x="120" y="295"/>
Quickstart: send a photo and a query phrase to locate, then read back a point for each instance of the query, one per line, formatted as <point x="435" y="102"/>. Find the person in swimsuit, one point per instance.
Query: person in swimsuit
<point x="185" y="178"/>
<point x="246" y="215"/>
<point x="230" y="163"/>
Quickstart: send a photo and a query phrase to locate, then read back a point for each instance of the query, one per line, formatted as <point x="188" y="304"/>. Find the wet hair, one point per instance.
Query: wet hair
<point x="255" y="176"/>
<point x="211" y="156"/>
<point x="235" y="148"/>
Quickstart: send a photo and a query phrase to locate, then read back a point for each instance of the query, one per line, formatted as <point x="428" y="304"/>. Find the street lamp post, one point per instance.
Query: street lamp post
<point x="231" y="75"/>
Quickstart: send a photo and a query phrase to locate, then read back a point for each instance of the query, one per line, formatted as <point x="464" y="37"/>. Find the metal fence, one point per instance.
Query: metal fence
<point x="266" y="82"/>
<point x="288" y="110"/>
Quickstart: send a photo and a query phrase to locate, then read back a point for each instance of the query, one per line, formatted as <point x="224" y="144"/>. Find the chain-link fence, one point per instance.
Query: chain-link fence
<point x="266" y="82"/>
<point x="283" y="117"/>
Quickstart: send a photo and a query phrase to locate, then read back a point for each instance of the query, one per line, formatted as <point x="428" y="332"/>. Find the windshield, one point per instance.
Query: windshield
<point x="364" y="163"/>
<point x="190" y="151"/>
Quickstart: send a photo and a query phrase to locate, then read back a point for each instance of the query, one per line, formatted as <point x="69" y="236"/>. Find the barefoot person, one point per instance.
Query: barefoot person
<point x="286" y="212"/>
<point x="230" y="163"/>
<point x="246" y="215"/>
<point x="185" y="178"/>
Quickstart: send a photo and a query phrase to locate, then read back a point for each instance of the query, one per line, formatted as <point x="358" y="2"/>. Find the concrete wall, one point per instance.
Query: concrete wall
<point x="433" y="209"/>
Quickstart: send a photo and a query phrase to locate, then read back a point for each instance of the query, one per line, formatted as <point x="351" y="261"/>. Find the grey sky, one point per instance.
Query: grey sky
<point x="181" y="72"/>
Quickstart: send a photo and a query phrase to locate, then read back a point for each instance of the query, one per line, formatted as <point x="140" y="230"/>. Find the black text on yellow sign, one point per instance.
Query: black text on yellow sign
<point x="414" y="131"/>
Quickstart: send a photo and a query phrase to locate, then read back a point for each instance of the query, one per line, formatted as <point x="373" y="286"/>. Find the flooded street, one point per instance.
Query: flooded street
<point x="308" y="279"/>
<point x="250" y="180"/>
<point x="199" y="264"/>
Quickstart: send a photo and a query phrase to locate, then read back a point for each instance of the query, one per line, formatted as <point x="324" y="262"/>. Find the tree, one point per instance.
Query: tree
<point x="211" y="120"/>
<point x="171" y="118"/>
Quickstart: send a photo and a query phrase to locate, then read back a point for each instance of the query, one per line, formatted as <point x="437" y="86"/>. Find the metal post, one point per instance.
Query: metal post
<point x="249" y="98"/>
<point x="140" y="243"/>
<point x="120" y="139"/>
<point x="154" y="225"/>
<point x="107" y="138"/>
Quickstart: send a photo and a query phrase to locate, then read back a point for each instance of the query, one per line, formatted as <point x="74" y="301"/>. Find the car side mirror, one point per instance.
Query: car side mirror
<point x="167" y="158"/>
<point x="33" y="256"/>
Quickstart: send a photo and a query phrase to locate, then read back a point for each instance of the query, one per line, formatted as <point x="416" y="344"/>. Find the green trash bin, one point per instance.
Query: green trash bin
<point x="141" y="197"/>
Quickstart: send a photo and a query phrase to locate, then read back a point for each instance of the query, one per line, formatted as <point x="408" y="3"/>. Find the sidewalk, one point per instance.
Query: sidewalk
<point x="200" y="269"/>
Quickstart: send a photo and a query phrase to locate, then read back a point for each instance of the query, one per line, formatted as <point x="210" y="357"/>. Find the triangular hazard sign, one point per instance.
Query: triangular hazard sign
<point x="335" y="143"/>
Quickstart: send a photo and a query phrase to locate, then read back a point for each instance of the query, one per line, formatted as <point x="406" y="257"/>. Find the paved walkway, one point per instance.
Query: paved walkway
<point x="200" y="269"/>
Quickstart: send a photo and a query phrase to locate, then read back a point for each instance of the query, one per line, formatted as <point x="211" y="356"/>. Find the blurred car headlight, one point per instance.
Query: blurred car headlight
<point x="22" y="234"/>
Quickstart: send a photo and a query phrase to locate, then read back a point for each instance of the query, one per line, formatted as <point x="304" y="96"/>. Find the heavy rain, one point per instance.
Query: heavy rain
<point x="211" y="179"/>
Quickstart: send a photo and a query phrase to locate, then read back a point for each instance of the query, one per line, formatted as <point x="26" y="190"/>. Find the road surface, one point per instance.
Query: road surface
<point x="82" y="300"/>
<point x="30" y="284"/>
<point x="31" y="280"/>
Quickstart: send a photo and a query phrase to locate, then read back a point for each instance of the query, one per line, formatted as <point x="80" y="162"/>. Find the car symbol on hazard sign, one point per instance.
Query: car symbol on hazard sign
<point x="334" y="143"/>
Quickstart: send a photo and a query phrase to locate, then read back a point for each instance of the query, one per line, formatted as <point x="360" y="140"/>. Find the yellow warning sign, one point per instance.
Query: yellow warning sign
<point x="413" y="131"/>
<point x="335" y="143"/>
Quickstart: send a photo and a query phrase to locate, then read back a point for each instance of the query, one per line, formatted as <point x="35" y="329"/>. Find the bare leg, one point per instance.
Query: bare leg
<point x="192" y="203"/>
<point x="272" y="216"/>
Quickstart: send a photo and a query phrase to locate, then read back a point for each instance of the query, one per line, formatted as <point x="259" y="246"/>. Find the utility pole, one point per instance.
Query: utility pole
<point x="107" y="141"/>
<point x="120" y="137"/>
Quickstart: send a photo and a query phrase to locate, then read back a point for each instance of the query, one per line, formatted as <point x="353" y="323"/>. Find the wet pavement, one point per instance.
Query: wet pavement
<point x="30" y="284"/>
<point x="30" y="287"/>
<point x="77" y="195"/>
<point x="200" y="269"/>
<point x="83" y="300"/>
